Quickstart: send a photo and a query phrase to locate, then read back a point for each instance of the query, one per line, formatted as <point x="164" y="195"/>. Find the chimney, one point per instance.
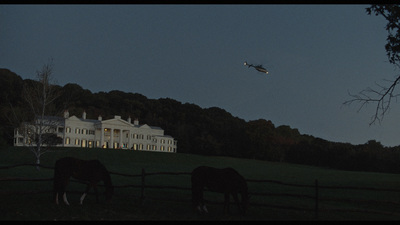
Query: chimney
<point x="129" y="119"/>
<point x="84" y="115"/>
<point x="136" y="122"/>
<point x="66" y="114"/>
<point x="100" y="118"/>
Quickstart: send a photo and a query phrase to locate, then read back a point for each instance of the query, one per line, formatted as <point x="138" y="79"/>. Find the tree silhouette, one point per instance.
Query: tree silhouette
<point x="40" y="95"/>
<point x="383" y="95"/>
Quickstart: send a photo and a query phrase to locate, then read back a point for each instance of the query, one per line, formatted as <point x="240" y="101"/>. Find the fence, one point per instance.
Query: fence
<point x="315" y="197"/>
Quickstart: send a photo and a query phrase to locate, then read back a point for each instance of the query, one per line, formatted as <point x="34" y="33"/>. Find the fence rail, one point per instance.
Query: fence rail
<point x="315" y="186"/>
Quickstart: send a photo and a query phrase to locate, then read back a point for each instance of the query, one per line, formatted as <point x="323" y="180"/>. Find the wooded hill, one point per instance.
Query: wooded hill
<point x="205" y="131"/>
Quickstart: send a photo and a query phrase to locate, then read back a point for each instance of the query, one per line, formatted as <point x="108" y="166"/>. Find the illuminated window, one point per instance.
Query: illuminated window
<point x="67" y="141"/>
<point x="84" y="143"/>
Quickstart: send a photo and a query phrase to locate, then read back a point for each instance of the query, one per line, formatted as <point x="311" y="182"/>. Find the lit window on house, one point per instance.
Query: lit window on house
<point x="83" y="143"/>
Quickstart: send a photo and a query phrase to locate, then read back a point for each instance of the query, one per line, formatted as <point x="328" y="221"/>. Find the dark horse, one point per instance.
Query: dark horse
<point x="227" y="181"/>
<point x="85" y="170"/>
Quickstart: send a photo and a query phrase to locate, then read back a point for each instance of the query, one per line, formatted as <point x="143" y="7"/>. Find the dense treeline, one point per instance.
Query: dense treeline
<point x="206" y="131"/>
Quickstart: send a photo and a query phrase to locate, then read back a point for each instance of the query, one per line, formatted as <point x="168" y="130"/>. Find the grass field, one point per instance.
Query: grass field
<point x="126" y="204"/>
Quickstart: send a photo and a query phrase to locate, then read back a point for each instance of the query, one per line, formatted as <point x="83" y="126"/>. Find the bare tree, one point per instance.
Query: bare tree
<point x="383" y="95"/>
<point x="39" y="96"/>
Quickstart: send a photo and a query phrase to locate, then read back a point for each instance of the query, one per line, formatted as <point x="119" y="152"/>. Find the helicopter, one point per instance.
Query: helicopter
<point x="259" y="68"/>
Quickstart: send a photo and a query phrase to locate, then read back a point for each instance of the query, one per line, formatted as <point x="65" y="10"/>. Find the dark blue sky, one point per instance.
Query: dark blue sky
<point x="195" y="54"/>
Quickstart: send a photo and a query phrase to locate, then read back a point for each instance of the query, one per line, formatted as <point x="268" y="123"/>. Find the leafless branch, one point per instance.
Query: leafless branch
<point x="39" y="95"/>
<point x="382" y="97"/>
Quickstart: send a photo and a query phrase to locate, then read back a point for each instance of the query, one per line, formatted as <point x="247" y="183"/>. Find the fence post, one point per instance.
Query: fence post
<point x="142" y="191"/>
<point x="316" y="198"/>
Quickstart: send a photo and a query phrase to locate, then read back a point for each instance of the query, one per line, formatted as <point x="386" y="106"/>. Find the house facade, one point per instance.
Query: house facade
<point x="112" y="133"/>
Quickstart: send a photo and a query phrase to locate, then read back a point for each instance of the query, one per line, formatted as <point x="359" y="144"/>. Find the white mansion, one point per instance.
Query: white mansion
<point x="112" y="133"/>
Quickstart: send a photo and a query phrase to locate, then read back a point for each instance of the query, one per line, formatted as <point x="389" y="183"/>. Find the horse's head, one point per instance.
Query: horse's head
<point x="108" y="193"/>
<point x="245" y="202"/>
<point x="243" y="190"/>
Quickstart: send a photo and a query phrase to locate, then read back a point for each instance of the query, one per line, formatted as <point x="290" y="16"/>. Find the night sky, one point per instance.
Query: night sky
<point x="315" y="55"/>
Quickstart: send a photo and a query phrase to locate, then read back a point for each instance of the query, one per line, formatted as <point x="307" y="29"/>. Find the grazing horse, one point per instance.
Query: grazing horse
<point x="227" y="181"/>
<point x="85" y="170"/>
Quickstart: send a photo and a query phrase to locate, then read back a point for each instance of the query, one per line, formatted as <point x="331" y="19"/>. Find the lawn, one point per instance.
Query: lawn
<point x="172" y="204"/>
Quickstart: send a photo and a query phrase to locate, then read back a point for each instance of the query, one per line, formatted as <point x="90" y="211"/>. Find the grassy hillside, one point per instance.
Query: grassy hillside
<point x="126" y="204"/>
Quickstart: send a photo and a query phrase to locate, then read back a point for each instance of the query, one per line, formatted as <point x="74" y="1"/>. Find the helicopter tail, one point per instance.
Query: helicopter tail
<point x="246" y="64"/>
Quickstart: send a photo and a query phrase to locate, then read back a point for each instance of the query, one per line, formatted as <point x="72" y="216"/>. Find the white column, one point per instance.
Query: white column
<point x="120" y="137"/>
<point x="129" y="140"/>
<point x="101" y="137"/>
<point x="111" y="139"/>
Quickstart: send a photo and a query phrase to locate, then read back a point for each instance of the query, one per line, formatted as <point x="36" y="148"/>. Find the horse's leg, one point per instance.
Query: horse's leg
<point x="55" y="193"/>
<point x="85" y="193"/>
<point x="82" y="197"/>
<point x="63" y="187"/>
<point x="235" y="197"/>
<point x="96" y="192"/>
<point x="226" y="202"/>
<point x="65" y="198"/>
<point x="199" y="202"/>
<point x="196" y="197"/>
<point x="59" y="188"/>
<point x="56" y="197"/>
<point x="203" y="208"/>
